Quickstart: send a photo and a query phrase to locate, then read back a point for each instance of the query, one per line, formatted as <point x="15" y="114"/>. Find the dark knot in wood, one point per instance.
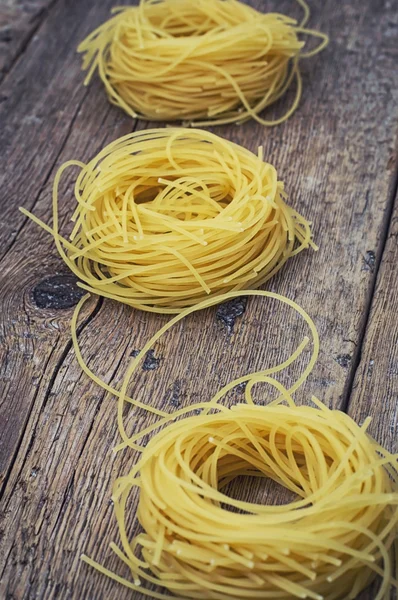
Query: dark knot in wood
<point x="57" y="292"/>
<point x="228" y="312"/>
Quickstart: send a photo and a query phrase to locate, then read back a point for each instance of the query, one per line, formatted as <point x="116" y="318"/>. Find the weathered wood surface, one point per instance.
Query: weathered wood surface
<point x="337" y="156"/>
<point x="375" y="388"/>
<point x="19" y="19"/>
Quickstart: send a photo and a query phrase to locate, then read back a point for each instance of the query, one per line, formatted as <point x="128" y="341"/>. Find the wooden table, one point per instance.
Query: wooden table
<point x="338" y="158"/>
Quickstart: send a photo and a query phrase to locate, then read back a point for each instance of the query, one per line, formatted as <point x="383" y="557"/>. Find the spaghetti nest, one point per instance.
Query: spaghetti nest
<point x="165" y="218"/>
<point x="329" y="544"/>
<point x="209" y="61"/>
<point x="198" y="542"/>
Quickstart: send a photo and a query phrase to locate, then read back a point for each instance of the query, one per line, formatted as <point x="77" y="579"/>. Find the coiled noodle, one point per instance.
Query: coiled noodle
<point x="167" y="217"/>
<point x="209" y="61"/>
<point x="328" y="544"/>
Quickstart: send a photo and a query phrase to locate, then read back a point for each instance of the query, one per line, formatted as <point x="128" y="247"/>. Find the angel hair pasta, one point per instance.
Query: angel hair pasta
<point x="196" y="541"/>
<point x="209" y="61"/>
<point x="328" y="544"/>
<point x="167" y="217"/>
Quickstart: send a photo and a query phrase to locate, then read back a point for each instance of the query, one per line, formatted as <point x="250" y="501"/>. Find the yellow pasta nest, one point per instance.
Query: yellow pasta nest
<point x="165" y="218"/>
<point x="212" y="61"/>
<point x="198" y="542"/>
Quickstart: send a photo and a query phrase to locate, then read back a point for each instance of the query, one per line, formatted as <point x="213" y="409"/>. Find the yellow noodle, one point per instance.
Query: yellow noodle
<point x="251" y="378"/>
<point x="202" y="549"/>
<point x="328" y="544"/>
<point x="212" y="61"/>
<point x="167" y="217"/>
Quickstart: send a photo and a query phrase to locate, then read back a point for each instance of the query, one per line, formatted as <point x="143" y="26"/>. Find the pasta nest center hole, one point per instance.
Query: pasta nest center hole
<point x="176" y="197"/>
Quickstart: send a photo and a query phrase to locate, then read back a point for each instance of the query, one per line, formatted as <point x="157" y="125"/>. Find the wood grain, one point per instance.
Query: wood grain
<point x="337" y="158"/>
<point x="375" y="388"/>
<point x="19" y="20"/>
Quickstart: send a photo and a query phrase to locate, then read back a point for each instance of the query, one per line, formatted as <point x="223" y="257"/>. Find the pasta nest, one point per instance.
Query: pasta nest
<point x="209" y="61"/>
<point x="166" y="218"/>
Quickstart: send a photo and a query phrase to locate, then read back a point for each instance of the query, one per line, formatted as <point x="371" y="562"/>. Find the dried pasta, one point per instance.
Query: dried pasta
<point x="197" y="542"/>
<point x="207" y="61"/>
<point x="167" y="217"/>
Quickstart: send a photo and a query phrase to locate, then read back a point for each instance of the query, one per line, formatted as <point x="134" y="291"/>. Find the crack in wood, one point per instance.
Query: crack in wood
<point x="356" y="358"/>
<point x="6" y="475"/>
<point x="60" y="361"/>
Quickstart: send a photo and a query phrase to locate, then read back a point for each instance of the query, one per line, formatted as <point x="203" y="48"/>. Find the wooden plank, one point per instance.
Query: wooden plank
<point x="18" y="22"/>
<point x="40" y="100"/>
<point x="375" y="385"/>
<point x="375" y="388"/>
<point x="45" y="114"/>
<point x="332" y="154"/>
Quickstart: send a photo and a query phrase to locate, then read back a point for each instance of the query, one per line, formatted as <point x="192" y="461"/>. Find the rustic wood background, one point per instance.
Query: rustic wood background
<point x="338" y="158"/>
